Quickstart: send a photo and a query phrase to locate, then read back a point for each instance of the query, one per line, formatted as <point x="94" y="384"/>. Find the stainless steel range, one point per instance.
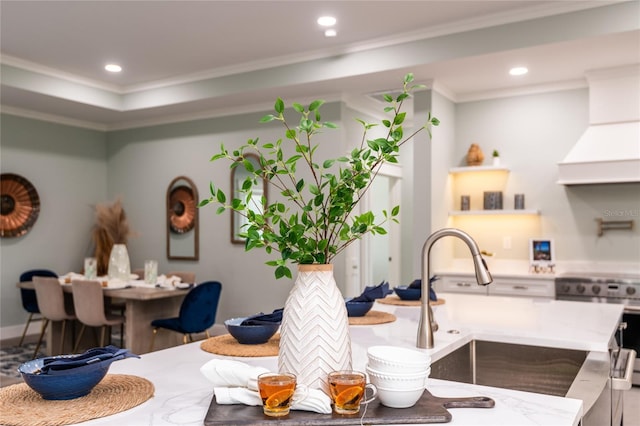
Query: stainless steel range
<point x="611" y="288"/>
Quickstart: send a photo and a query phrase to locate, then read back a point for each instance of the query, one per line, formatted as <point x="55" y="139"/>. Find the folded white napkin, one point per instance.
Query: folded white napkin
<point x="236" y="383"/>
<point x="164" y="281"/>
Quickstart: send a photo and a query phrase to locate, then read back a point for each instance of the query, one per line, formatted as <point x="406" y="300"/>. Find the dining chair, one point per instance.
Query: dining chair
<point x="89" y="304"/>
<point x="51" y="302"/>
<point x="197" y="312"/>
<point x="185" y="277"/>
<point x="29" y="299"/>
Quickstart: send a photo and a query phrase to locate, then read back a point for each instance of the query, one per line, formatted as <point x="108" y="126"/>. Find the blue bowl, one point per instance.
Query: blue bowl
<point x="358" y="309"/>
<point x="67" y="384"/>
<point x="250" y="334"/>
<point x="406" y="293"/>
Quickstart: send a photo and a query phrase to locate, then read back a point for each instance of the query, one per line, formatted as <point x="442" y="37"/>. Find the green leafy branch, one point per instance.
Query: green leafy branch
<point x="316" y="221"/>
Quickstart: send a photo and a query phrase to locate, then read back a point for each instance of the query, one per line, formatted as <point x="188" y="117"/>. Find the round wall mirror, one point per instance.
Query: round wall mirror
<point x="182" y="220"/>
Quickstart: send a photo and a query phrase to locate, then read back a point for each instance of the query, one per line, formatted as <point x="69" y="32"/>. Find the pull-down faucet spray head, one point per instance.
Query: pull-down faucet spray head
<point x="483" y="277"/>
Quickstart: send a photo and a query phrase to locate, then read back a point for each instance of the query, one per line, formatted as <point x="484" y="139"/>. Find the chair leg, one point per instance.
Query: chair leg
<point x="75" y="348"/>
<point x="26" y="327"/>
<point x="64" y="326"/>
<point x="103" y="330"/>
<point x="206" y="332"/>
<point x="153" y="338"/>
<point x="44" y="328"/>
<point x="184" y="339"/>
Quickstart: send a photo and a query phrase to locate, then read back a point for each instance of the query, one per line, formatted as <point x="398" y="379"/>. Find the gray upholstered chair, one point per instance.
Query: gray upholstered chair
<point x="88" y="301"/>
<point x="51" y="303"/>
<point x="185" y="277"/>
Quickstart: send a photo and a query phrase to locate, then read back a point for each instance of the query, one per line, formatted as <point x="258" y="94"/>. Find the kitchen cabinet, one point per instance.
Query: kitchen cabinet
<point x="538" y="286"/>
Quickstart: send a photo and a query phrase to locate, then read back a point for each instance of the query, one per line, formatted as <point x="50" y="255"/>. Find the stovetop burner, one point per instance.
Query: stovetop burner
<point x="599" y="287"/>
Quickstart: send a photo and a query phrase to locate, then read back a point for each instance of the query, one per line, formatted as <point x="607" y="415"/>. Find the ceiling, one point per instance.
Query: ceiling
<point x="187" y="59"/>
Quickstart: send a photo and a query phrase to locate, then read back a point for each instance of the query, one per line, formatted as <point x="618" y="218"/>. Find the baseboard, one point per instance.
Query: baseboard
<point x="15" y="331"/>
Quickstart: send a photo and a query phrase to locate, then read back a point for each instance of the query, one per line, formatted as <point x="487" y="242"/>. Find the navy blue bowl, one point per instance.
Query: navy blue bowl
<point x="67" y="384"/>
<point x="406" y="293"/>
<point x="358" y="309"/>
<point x="250" y="334"/>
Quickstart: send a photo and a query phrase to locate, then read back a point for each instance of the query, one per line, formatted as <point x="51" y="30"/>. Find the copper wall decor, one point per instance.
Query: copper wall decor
<point x="182" y="206"/>
<point x="20" y="205"/>
<point x="182" y="220"/>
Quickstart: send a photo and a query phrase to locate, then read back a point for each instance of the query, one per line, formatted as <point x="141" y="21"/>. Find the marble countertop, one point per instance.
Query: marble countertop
<point x="182" y="394"/>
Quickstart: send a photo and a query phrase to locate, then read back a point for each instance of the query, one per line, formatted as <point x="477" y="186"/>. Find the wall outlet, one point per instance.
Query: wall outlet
<point x="506" y="243"/>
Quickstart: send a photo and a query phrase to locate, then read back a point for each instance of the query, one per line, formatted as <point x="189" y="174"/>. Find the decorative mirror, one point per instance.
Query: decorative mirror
<point x="238" y="176"/>
<point x="182" y="220"/>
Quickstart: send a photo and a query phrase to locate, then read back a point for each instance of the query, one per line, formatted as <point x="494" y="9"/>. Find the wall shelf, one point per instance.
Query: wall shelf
<point x="494" y="212"/>
<point x="470" y="169"/>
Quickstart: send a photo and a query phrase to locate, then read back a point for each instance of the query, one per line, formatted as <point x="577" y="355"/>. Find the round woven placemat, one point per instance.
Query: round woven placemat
<point x="22" y="406"/>
<point x="395" y="300"/>
<point x="227" y="345"/>
<point x="372" y="317"/>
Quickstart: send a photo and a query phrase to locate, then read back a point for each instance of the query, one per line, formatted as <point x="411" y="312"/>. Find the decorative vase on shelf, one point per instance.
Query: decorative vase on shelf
<point x="314" y="334"/>
<point x="119" y="265"/>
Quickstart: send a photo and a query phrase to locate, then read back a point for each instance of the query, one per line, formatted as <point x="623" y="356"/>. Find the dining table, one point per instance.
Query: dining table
<point x="142" y="304"/>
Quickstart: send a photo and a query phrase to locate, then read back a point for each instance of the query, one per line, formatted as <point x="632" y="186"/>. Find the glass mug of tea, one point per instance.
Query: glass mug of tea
<point x="276" y="392"/>
<point x="347" y="390"/>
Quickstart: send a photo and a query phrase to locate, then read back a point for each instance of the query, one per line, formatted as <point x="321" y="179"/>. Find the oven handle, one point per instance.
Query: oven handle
<point x="624" y="383"/>
<point x="632" y="309"/>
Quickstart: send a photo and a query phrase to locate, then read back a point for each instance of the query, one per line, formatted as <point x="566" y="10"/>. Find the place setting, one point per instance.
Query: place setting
<point x="411" y="295"/>
<point x="359" y="308"/>
<point x="68" y="389"/>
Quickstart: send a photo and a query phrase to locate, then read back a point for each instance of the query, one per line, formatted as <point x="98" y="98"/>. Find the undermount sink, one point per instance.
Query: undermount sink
<point x="538" y="369"/>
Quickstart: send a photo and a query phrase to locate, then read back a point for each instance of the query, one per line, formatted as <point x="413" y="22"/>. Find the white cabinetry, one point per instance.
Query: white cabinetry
<point x="459" y="284"/>
<point x="502" y="285"/>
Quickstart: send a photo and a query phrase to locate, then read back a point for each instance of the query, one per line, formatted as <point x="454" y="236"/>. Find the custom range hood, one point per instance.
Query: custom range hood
<point x="609" y="150"/>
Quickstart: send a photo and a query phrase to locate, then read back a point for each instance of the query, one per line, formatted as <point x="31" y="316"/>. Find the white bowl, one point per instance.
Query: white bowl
<point x="396" y="359"/>
<point x="398" y="381"/>
<point x="399" y="398"/>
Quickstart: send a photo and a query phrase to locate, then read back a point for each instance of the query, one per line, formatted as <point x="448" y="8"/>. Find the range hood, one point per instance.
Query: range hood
<point x="609" y="150"/>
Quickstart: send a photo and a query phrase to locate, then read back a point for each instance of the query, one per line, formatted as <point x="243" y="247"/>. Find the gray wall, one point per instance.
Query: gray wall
<point x="533" y="133"/>
<point x="67" y="167"/>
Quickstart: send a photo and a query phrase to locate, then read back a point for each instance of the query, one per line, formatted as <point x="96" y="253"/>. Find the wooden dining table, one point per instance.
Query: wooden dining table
<point x="142" y="305"/>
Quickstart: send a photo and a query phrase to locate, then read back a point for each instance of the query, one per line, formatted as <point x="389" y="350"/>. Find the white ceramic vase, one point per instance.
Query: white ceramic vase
<point x="119" y="265"/>
<point x="314" y="334"/>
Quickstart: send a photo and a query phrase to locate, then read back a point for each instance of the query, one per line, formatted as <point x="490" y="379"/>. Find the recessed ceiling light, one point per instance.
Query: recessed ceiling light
<point x="113" y="68"/>
<point x="326" y="21"/>
<point x="330" y="33"/>
<point x="518" y="71"/>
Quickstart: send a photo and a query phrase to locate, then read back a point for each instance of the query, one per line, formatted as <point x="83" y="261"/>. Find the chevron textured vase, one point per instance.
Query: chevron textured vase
<point x="314" y="334"/>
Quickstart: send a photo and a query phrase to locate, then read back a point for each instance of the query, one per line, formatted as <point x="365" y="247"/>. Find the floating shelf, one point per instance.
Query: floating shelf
<point x="493" y="212"/>
<point x="469" y="169"/>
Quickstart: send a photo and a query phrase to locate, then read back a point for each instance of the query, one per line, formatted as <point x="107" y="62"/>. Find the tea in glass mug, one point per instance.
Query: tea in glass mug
<point x="276" y="392"/>
<point x="347" y="390"/>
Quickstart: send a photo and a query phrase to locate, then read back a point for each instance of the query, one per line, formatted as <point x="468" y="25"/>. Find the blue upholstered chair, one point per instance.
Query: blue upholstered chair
<point x="197" y="312"/>
<point x="29" y="299"/>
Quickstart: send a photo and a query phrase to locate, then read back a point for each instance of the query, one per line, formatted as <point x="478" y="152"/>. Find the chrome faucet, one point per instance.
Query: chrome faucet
<point x="483" y="277"/>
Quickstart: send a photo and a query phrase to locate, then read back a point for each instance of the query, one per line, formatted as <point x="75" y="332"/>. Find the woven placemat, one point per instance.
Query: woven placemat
<point x="392" y="299"/>
<point x="22" y="406"/>
<point x="227" y="345"/>
<point x="372" y="317"/>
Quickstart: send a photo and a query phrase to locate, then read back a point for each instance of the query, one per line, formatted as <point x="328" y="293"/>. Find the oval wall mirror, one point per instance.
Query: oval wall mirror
<point x="238" y="176"/>
<point x="182" y="220"/>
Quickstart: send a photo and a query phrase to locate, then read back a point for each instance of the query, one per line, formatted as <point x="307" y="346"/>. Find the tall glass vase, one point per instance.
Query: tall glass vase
<point x="314" y="334"/>
<point x="119" y="265"/>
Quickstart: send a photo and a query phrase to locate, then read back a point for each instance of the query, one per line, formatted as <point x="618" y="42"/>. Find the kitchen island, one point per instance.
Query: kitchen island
<point x="183" y="395"/>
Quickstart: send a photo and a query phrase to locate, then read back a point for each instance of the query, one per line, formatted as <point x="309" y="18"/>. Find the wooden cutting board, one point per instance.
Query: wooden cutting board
<point x="428" y="409"/>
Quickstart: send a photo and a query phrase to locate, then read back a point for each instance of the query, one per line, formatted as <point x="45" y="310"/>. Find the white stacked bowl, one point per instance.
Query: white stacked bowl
<point x="400" y="374"/>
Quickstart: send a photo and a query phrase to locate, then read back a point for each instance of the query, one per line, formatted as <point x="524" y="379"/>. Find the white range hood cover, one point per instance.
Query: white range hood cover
<point x="605" y="153"/>
<point x="609" y="150"/>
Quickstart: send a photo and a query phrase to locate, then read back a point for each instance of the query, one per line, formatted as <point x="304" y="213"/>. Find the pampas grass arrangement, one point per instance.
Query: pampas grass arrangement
<point x="111" y="228"/>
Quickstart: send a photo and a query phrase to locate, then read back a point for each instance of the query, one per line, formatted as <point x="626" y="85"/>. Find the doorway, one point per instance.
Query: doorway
<point x="380" y="254"/>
